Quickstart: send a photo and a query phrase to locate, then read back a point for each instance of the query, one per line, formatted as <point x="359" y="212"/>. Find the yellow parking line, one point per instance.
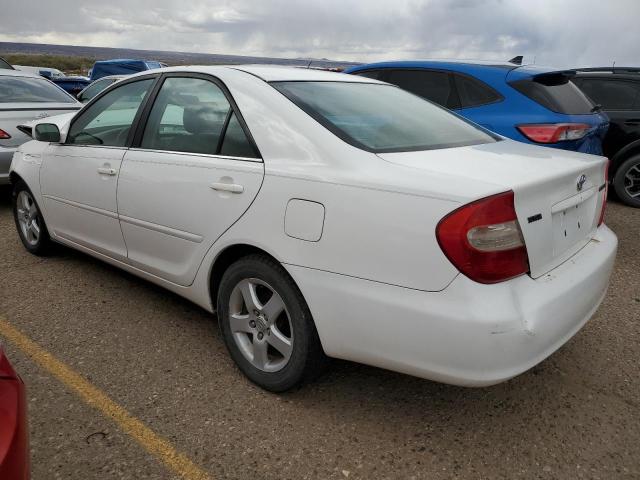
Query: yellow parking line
<point x="152" y="442"/>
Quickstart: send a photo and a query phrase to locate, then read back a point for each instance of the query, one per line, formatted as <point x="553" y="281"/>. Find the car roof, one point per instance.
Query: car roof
<point x="114" y="77"/>
<point x="611" y="72"/>
<point x="470" y="67"/>
<point x="19" y="73"/>
<point x="270" y="73"/>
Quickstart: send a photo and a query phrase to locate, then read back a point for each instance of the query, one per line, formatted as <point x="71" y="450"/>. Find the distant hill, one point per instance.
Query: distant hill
<point x="170" y="58"/>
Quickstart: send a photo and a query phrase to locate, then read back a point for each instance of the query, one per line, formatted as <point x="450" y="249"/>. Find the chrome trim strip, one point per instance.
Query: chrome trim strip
<point x="80" y="145"/>
<point x="206" y="155"/>
<point x="191" y="237"/>
<point x="83" y="206"/>
<point x="72" y="108"/>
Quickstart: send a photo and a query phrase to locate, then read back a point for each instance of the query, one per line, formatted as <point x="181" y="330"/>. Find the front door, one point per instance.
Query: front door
<point x="194" y="173"/>
<point x="79" y="178"/>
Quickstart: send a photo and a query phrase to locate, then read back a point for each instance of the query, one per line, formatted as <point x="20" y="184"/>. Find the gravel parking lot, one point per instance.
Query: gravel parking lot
<point x="577" y="415"/>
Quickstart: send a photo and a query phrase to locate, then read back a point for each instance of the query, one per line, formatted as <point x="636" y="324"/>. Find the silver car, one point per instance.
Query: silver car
<point x="98" y="86"/>
<point x="23" y="97"/>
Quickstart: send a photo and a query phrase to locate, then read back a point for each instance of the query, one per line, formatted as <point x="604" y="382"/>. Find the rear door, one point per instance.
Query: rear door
<point x="193" y="172"/>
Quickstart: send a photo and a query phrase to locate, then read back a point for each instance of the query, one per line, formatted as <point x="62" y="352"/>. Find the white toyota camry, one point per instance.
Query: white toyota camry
<point x="325" y="215"/>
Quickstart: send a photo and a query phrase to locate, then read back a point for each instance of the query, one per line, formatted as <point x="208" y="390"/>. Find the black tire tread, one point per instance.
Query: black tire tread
<point x="618" y="182"/>
<point x="45" y="245"/>
<point x="315" y="361"/>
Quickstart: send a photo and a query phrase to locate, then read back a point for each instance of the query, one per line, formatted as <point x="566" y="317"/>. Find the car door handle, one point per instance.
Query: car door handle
<point x="107" y="171"/>
<point x="227" y="187"/>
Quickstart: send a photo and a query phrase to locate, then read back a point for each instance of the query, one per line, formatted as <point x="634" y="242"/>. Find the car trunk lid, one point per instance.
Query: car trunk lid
<point x="557" y="215"/>
<point x="14" y="114"/>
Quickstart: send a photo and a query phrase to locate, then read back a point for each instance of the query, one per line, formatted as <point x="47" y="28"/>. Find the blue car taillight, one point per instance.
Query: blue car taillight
<point x="554" y="132"/>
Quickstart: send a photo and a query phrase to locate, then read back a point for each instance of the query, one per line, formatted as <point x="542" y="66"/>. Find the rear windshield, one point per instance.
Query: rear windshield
<point x="30" y="90"/>
<point x="382" y="118"/>
<point x="555" y="92"/>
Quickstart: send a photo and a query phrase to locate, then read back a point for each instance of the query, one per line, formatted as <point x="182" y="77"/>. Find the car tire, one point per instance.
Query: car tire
<point x="30" y="224"/>
<point x="627" y="180"/>
<point x="252" y="291"/>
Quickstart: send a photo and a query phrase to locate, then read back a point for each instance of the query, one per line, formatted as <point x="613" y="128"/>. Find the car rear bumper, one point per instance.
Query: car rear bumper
<point x="6" y="154"/>
<point x="467" y="334"/>
<point x="14" y="445"/>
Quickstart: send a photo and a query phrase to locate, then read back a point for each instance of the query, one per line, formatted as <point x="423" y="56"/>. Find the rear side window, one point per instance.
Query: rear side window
<point x="381" y="118"/>
<point x="474" y="93"/>
<point x="30" y="90"/>
<point x="612" y="94"/>
<point x="235" y="143"/>
<point x="434" y="86"/>
<point x="555" y="92"/>
<point x="375" y="74"/>
<point x="192" y="115"/>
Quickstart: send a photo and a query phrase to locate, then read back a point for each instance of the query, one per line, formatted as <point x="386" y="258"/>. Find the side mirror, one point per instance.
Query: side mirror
<point x="47" y="132"/>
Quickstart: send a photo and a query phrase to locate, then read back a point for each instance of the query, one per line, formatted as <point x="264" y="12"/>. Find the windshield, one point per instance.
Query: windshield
<point x="382" y="118"/>
<point x="30" y="90"/>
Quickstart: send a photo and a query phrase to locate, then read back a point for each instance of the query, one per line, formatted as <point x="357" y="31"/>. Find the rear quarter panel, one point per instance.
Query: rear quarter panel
<point x="380" y="218"/>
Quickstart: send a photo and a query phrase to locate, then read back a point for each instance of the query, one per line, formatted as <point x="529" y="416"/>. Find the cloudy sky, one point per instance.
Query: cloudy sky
<point x="555" y="32"/>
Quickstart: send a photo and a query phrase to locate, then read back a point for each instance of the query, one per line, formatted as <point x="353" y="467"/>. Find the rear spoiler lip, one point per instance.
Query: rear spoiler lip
<point x="522" y="75"/>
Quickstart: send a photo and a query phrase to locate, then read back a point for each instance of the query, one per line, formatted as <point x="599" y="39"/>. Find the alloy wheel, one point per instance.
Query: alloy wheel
<point x="27" y="213"/>
<point x="260" y="325"/>
<point x="632" y="181"/>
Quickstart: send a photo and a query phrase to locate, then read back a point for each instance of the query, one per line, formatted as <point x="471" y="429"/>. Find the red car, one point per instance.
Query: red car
<point x="14" y="444"/>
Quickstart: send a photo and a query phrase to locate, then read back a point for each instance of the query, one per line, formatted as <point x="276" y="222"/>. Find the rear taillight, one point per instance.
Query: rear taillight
<point x="554" y="132"/>
<point x="4" y="135"/>
<point x="605" y="192"/>
<point x="484" y="241"/>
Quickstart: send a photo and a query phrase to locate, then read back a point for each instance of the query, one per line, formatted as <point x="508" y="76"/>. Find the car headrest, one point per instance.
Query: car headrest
<point x="203" y="119"/>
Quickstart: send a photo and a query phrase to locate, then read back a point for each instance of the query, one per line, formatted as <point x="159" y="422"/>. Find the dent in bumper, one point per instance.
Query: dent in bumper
<point x="468" y="334"/>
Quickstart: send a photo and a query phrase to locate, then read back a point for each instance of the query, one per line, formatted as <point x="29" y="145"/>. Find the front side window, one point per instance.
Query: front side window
<point x="31" y="90"/>
<point x="192" y="115"/>
<point x="612" y="94"/>
<point x="108" y="121"/>
<point x="434" y="86"/>
<point x="382" y="118"/>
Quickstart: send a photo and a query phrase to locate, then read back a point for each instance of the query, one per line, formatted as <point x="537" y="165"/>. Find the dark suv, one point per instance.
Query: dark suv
<point x="617" y="91"/>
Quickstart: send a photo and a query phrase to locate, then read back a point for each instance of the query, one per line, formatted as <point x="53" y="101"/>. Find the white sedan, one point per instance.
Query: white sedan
<point x="326" y="215"/>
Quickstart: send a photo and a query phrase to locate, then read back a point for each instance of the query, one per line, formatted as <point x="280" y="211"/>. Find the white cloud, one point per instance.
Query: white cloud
<point x="567" y="33"/>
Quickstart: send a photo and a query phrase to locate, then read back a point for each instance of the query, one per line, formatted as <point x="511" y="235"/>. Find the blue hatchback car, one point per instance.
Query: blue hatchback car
<point x="528" y="103"/>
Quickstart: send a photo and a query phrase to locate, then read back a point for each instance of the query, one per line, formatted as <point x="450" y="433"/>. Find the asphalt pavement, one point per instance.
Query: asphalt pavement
<point x="162" y="360"/>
